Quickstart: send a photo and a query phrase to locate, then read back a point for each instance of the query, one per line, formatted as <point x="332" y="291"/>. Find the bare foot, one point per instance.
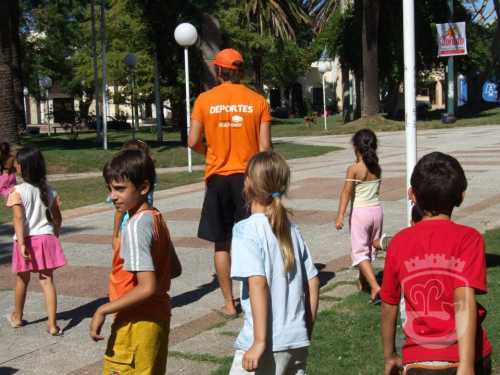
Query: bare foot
<point x="375" y="296"/>
<point x="15" y="320"/>
<point x="54" y="331"/>
<point x="229" y="310"/>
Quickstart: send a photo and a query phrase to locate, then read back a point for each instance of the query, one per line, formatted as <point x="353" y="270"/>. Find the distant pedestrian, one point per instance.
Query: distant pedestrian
<point x="37" y="222"/>
<point x="361" y="189"/>
<point x="7" y="170"/>
<point x="121" y="218"/>
<point x="235" y="122"/>
<point x="439" y="267"/>
<point x="280" y="284"/>
<point x="144" y="262"/>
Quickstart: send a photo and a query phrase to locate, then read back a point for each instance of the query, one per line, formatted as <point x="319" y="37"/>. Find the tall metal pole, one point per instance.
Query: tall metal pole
<point x="410" y="92"/>
<point x="104" y="78"/>
<point x="132" y="101"/>
<point x="324" y="99"/>
<point x="96" y="72"/>
<point x="451" y="76"/>
<point x="159" y="107"/>
<point x="188" y="106"/>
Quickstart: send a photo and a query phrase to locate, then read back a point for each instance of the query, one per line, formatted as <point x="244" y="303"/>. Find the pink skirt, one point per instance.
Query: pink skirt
<point x="45" y="252"/>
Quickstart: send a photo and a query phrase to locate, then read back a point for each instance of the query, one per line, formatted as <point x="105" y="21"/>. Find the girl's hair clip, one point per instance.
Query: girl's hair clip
<point x="276" y="194"/>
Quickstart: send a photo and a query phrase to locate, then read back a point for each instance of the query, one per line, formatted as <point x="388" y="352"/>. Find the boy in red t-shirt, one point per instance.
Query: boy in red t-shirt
<point x="439" y="266"/>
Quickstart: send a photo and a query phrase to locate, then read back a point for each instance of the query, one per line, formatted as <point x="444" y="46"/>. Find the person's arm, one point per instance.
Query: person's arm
<point x="116" y="227"/>
<point x="195" y="137"/>
<point x="312" y="303"/>
<point x="258" y="291"/>
<point x="176" y="265"/>
<point x="389" y="315"/>
<point x="345" y="196"/>
<point x="56" y="217"/>
<point x="466" y="324"/>
<point x="18" y="223"/>
<point x="265" y="137"/>
<point x="146" y="287"/>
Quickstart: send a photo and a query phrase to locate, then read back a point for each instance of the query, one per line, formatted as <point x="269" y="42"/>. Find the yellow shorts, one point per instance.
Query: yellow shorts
<point x="138" y="348"/>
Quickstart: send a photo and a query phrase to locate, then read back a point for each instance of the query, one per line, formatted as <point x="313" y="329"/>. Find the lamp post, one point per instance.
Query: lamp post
<point x="131" y="61"/>
<point x="25" y="104"/>
<point x="323" y="67"/>
<point x="449" y="118"/>
<point x="410" y="93"/>
<point x="186" y="35"/>
<point x="45" y="84"/>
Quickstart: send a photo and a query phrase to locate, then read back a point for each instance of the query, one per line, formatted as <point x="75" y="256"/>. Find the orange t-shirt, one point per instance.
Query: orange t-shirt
<point x="231" y="115"/>
<point x="148" y="247"/>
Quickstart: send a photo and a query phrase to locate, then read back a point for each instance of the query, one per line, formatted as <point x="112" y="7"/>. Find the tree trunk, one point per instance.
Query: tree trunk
<point x="257" y="69"/>
<point x="496" y="41"/>
<point x="11" y="105"/>
<point x="371" y="10"/>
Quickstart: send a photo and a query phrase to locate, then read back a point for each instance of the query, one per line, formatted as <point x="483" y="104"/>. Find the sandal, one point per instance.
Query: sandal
<point x="15" y="323"/>
<point x="57" y="332"/>
<point x="225" y="315"/>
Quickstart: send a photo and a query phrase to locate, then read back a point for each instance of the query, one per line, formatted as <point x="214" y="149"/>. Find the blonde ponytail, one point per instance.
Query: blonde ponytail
<point x="267" y="180"/>
<point x="278" y="218"/>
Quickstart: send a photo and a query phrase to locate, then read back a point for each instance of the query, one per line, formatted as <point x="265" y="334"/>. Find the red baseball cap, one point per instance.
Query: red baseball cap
<point x="228" y="58"/>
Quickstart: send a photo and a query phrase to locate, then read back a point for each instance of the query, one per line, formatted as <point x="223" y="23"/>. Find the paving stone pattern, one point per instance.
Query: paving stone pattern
<point x="200" y="337"/>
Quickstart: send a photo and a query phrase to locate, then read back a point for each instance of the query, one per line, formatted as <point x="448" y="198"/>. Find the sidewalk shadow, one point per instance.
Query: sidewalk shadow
<point x="324" y="276"/>
<point x="196" y="294"/>
<point x="76" y="315"/>
<point x="8" y="370"/>
<point x="492" y="260"/>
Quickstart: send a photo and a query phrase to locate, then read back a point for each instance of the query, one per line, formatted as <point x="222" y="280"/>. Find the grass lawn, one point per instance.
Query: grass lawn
<point x="347" y="340"/>
<point x="83" y="155"/>
<point x="81" y="192"/>
<point x="336" y="125"/>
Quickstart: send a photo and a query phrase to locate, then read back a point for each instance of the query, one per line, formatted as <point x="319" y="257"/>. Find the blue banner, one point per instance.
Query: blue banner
<point x="490" y="92"/>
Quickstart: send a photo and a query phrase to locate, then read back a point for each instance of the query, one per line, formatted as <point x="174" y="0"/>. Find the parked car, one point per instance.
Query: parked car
<point x="112" y="122"/>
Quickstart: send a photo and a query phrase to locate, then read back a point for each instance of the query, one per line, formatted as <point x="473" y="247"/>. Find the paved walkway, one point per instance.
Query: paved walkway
<point x="196" y="328"/>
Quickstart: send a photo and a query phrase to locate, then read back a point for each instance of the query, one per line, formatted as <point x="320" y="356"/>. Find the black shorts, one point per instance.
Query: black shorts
<point x="222" y="208"/>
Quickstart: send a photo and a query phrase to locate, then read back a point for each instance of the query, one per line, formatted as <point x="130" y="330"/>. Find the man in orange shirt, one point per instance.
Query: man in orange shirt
<point x="235" y="122"/>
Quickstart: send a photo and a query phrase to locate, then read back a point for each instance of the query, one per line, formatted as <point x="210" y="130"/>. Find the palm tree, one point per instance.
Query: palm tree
<point x="10" y="73"/>
<point x="322" y="11"/>
<point x="272" y="17"/>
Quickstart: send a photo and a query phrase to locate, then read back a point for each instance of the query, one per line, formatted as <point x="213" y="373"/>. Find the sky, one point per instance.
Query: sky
<point x="487" y="10"/>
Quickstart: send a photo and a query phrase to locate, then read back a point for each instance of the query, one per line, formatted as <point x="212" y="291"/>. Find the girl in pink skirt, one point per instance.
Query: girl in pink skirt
<point x="361" y="188"/>
<point x="7" y="170"/>
<point x="37" y="221"/>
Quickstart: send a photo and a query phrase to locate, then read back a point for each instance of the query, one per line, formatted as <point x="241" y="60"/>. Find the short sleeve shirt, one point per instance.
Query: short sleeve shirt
<point x="29" y="196"/>
<point x="255" y="251"/>
<point x="145" y="246"/>
<point x="426" y="263"/>
<point x="231" y="116"/>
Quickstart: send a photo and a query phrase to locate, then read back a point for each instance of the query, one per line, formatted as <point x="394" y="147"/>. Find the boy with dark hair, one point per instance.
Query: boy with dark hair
<point x="144" y="262"/>
<point x="439" y="266"/>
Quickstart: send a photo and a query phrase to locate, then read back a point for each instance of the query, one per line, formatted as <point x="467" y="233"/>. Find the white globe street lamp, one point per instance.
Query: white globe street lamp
<point x="323" y="67"/>
<point x="25" y="96"/>
<point x="45" y="84"/>
<point x="186" y="35"/>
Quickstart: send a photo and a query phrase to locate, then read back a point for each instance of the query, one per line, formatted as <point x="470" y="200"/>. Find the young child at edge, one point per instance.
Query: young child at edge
<point x="280" y="284"/>
<point x="361" y="187"/>
<point x="121" y="218"/>
<point x="439" y="266"/>
<point x="37" y="221"/>
<point x="7" y="170"/>
<point x="143" y="265"/>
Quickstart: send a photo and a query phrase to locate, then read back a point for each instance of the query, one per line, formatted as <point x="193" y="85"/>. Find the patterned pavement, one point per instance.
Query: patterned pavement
<point x="196" y="326"/>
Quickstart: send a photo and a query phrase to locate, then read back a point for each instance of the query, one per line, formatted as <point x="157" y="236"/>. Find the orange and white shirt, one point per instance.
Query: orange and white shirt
<point x="231" y="115"/>
<point x="145" y="245"/>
